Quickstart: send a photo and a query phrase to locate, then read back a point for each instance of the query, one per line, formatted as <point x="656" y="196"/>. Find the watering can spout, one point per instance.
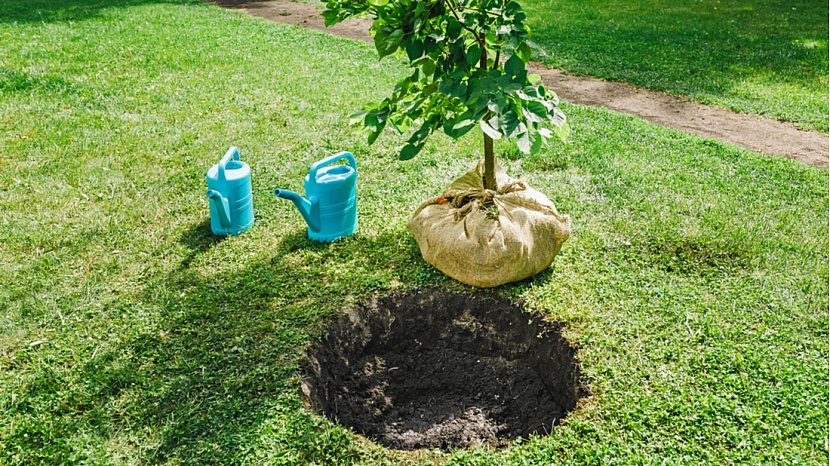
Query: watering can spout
<point x="308" y="208"/>
<point x="222" y="207"/>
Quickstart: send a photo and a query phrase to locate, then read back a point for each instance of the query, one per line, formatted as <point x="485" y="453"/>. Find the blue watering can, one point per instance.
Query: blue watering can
<point x="331" y="208"/>
<point x="229" y="191"/>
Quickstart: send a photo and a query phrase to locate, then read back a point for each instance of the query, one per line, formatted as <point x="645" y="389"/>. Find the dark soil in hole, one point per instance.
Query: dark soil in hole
<point x="434" y="369"/>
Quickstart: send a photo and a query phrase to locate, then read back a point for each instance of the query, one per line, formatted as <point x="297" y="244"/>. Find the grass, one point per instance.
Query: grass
<point x="762" y="57"/>
<point x="695" y="281"/>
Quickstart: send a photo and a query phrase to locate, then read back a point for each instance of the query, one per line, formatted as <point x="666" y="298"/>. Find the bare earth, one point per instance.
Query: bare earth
<point x="758" y="134"/>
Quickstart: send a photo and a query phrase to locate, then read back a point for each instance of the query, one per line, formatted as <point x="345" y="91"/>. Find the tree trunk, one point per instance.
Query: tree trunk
<point x="489" y="157"/>
<point x="489" y="164"/>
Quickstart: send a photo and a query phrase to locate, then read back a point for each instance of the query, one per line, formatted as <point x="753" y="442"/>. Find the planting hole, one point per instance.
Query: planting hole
<point x="434" y="369"/>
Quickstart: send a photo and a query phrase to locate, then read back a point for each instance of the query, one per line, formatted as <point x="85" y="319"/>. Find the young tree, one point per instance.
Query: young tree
<point x="456" y="48"/>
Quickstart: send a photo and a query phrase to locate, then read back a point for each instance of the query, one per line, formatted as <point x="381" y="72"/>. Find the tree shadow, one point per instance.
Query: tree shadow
<point x="222" y="360"/>
<point x="204" y="368"/>
<point x="199" y="239"/>
<point x="51" y="11"/>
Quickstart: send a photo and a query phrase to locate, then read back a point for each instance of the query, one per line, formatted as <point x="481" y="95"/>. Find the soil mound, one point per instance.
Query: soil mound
<point x="434" y="369"/>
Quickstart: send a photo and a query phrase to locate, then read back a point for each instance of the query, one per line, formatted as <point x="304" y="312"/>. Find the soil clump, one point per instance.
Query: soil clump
<point x="440" y="370"/>
<point x="767" y="136"/>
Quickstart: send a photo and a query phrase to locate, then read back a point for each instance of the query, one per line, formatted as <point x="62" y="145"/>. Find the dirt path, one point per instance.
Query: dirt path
<point x="758" y="134"/>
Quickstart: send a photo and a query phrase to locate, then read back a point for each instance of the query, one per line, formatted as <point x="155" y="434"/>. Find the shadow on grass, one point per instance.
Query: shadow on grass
<point x="53" y="11"/>
<point x="200" y="366"/>
<point x="220" y="367"/>
<point x="199" y="239"/>
<point x="18" y="81"/>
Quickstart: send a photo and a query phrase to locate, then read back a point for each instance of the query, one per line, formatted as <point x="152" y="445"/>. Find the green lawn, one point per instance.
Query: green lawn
<point x="765" y="57"/>
<point x="695" y="281"/>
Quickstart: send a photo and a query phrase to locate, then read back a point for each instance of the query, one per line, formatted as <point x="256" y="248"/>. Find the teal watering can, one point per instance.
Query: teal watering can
<point x="229" y="191"/>
<point x="331" y="208"/>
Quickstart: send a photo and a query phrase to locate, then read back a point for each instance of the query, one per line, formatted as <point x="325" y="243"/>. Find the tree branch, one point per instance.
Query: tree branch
<point x="455" y="14"/>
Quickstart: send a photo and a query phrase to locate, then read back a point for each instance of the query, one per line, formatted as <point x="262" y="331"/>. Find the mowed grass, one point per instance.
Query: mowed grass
<point x="765" y="57"/>
<point x="695" y="282"/>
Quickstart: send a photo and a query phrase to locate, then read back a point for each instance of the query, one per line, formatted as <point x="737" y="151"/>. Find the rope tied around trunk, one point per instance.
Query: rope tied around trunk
<point x="468" y="200"/>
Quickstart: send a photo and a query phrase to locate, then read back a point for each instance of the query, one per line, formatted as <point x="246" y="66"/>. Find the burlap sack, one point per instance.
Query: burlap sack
<point x="487" y="238"/>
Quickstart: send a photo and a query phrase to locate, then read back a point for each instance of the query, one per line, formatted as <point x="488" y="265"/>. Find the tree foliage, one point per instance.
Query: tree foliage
<point x="468" y="59"/>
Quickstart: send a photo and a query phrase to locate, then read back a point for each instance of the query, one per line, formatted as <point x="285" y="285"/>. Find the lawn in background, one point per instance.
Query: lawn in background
<point x="766" y="57"/>
<point x="695" y="280"/>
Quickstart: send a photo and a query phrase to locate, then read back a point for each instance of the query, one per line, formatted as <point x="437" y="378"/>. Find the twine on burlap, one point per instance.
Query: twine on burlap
<point x="473" y="199"/>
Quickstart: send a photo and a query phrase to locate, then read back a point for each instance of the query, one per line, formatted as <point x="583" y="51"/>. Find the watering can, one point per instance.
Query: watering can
<point x="229" y="191"/>
<point x="331" y="208"/>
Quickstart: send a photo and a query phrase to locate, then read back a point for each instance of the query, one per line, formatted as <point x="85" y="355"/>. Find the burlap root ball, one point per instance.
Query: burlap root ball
<point x="487" y="238"/>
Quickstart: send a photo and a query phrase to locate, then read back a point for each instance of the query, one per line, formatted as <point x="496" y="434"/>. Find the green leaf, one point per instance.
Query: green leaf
<point x="430" y="45"/>
<point x="371" y="122"/>
<point x="552" y="98"/>
<point x="498" y="104"/>
<point x="473" y="55"/>
<point x="374" y="135"/>
<point x="449" y="129"/>
<point x="523" y="143"/>
<point x="488" y="130"/>
<point x="534" y="78"/>
<point x="524" y="52"/>
<point x="412" y="106"/>
<point x="464" y="123"/>
<point x="514" y="66"/>
<point x="529" y="93"/>
<point x="383" y="112"/>
<point x="462" y="130"/>
<point x="535" y="112"/>
<point x="453" y="28"/>
<point x="511" y="9"/>
<point x="401" y="123"/>
<point x="480" y="112"/>
<point x="395" y="37"/>
<point x="529" y="143"/>
<point x="378" y="2"/>
<point x="356" y="118"/>
<point x="562" y="131"/>
<point x="481" y="105"/>
<point x="537" y="143"/>
<point x="422" y="133"/>
<point x="414" y="50"/>
<point x="460" y="125"/>
<point x="459" y="90"/>
<point x="493" y="41"/>
<point x="331" y="17"/>
<point x="387" y="44"/>
<point x="446" y="87"/>
<point x="458" y="74"/>
<point x="409" y="151"/>
<point x="558" y="117"/>
<point x="428" y="67"/>
<point x="488" y="85"/>
<point x="512" y="87"/>
<point x="509" y="123"/>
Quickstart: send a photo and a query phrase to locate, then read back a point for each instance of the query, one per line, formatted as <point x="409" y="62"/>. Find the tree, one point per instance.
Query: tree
<point x="455" y="48"/>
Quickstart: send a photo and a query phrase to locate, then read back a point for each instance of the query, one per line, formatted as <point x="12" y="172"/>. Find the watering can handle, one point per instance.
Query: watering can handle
<point x="329" y="160"/>
<point x="232" y="152"/>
